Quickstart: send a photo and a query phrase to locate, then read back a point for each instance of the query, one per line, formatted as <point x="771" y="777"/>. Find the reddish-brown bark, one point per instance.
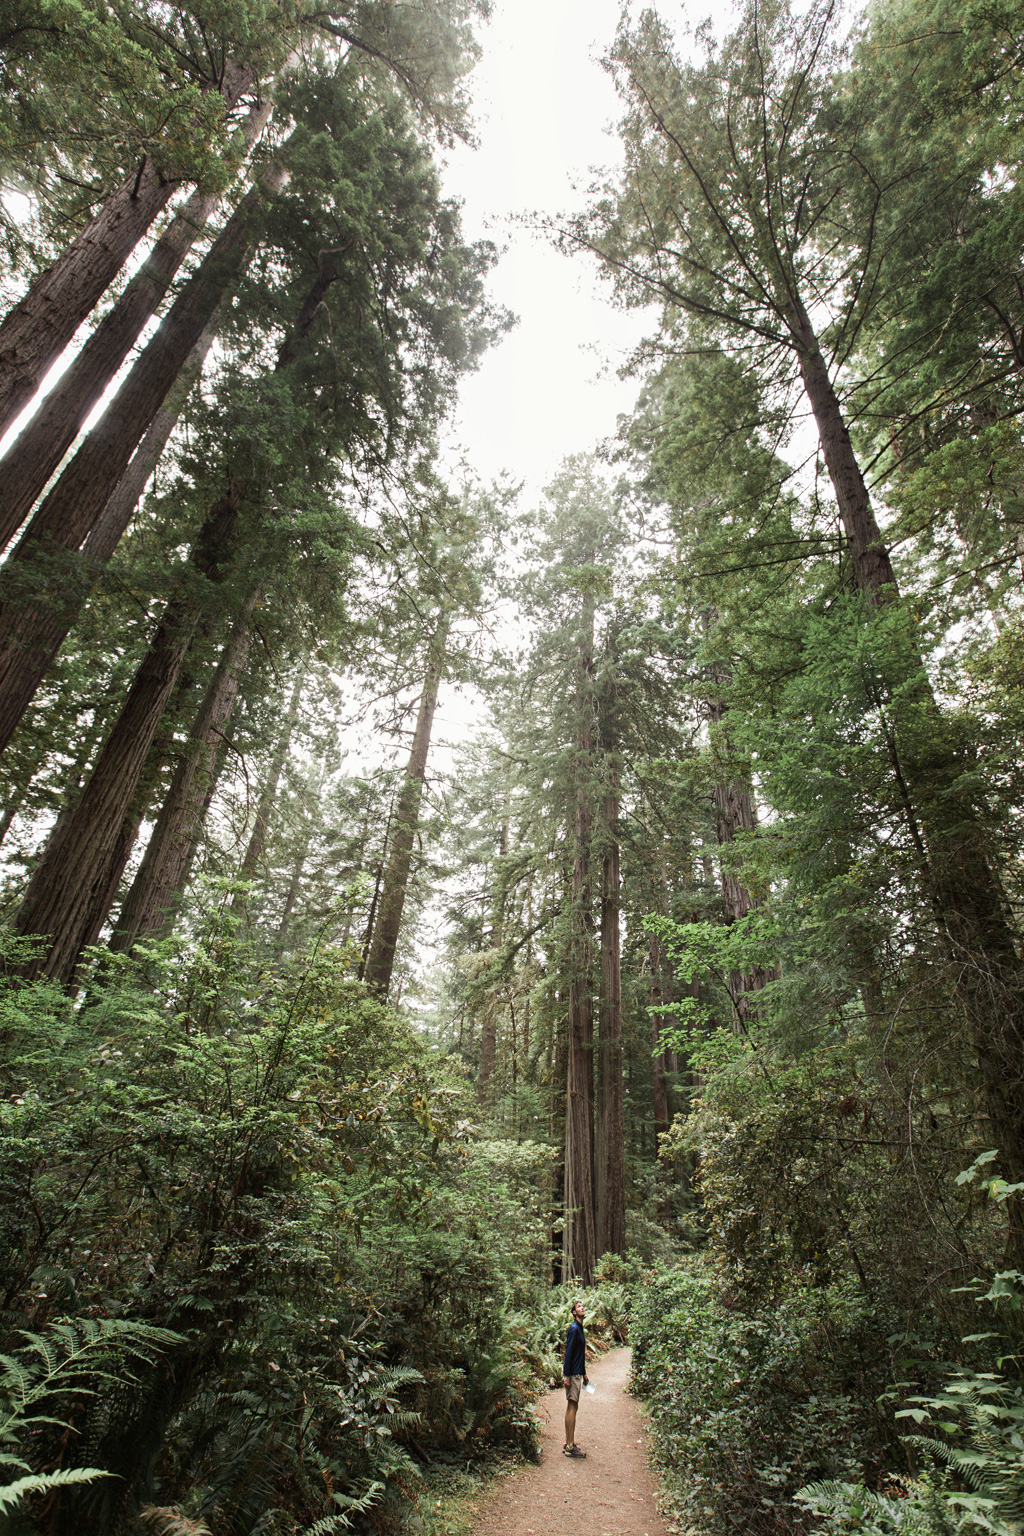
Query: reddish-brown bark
<point x="69" y="511"/>
<point x="35" y="454"/>
<point x="61" y="900"/>
<point x="150" y="903"/>
<point x="38" y="328"/>
<point x="611" y="1142"/>
<point x="32" y="633"/>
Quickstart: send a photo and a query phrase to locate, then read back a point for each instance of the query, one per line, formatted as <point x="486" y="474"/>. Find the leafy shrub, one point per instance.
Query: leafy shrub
<point x="268" y="1166"/>
<point x="746" y="1409"/>
<point x="976" y="1446"/>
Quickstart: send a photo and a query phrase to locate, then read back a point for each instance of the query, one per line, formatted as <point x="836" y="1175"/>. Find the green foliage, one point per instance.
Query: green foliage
<point x="976" y="1485"/>
<point x="262" y="1161"/>
<point x="748" y="1406"/>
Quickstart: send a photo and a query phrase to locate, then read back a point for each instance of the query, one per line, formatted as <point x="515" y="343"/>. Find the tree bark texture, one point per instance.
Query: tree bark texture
<point x="32" y="634"/>
<point x="61" y="898"/>
<point x="30" y="461"/>
<point x="384" y="941"/>
<point x="611" y="1145"/>
<point x="149" y="907"/>
<point x="35" y="332"/>
<point x="579" y="1235"/>
<point x="69" y="511"/>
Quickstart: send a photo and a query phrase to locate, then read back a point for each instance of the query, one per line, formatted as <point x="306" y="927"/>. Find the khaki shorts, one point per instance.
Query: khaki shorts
<point x="573" y="1390"/>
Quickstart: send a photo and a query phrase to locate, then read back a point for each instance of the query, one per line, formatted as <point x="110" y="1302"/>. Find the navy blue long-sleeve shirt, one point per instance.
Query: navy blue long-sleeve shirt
<point x="575" y="1350"/>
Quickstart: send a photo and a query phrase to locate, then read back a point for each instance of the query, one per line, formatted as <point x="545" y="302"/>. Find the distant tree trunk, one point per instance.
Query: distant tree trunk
<point x="292" y="894"/>
<point x="30" y="461"/>
<point x="35" y="633"/>
<point x="381" y="959"/>
<point x="662" y="1116"/>
<point x="268" y="794"/>
<point x="60" y="901"/>
<point x="35" y="332"/>
<point x="489" y="1022"/>
<point x="611" y="1191"/>
<point x="149" y="907"/>
<point x="579" y="1238"/>
<point x="558" y="1066"/>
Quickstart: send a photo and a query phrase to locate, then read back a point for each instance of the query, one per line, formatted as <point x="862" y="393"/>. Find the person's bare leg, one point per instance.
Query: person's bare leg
<point x="570" y="1423"/>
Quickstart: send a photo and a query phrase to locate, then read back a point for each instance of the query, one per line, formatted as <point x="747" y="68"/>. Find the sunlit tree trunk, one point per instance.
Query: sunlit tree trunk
<point x="36" y="331"/>
<point x="35" y="454"/>
<point x="35" y="632"/>
<point x="70" y="510"/>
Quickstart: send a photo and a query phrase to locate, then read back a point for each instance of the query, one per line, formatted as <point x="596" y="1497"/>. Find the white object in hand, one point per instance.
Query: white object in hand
<point x="589" y="1388"/>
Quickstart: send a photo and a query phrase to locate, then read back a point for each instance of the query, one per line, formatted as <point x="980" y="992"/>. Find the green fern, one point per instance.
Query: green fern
<point x="75" y="1357"/>
<point x="852" y="1506"/>
<point x="11" y="1494"/>
<point x="351" y="1504"/>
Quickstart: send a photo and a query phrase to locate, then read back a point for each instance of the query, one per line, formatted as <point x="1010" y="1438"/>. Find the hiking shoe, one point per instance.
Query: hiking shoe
<point x="575" y="1452"/>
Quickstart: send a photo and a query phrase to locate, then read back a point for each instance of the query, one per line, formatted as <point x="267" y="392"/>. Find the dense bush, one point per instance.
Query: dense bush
<point x="746" y="1408"/>
<point x="269" y="1164"/>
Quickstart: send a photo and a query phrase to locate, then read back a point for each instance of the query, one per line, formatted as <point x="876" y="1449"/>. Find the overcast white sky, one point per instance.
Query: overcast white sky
<point x="544" y="108"/>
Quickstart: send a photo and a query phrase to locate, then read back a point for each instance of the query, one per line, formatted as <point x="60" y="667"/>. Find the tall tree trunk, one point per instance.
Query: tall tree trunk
<point x="30" y="461"/>
<point x="35" y="332"/>
<point x="611" y="1144"/>
<point x="959" y="870"/>
<point x="149" y="907"/>
<point x="662" y="1116"/>
<point x="381" y="959"/>
<point x="62" y="893"/>
<point x="489" y="1022"/>
<point x="35" y="633"/>
<point x="268" y="794"/>
<point x="579" y="1236"/>
<point x="107" y="883"/>
<point x="60" y="901"/>
<point x="70" y="509"/>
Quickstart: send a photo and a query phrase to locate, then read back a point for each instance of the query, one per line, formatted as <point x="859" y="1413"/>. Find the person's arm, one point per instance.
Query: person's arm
<point x="566" y="1361"/>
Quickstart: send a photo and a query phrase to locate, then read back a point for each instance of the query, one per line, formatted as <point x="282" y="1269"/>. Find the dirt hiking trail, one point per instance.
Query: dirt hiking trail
<point x="609" y="1494"/>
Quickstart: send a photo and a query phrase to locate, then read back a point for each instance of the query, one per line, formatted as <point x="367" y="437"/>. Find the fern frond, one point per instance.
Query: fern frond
<point x="12" y="1494"/>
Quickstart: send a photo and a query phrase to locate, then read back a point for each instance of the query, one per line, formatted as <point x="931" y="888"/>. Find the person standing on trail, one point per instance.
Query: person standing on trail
<point x="574" y="1379"/>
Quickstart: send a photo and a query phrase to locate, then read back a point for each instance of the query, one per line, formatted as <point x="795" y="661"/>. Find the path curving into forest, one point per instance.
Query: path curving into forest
<point x="612" y="1493"/>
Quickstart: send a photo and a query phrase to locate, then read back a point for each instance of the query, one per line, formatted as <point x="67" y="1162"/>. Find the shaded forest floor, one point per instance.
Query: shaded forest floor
<point x="612" y="1493"/>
